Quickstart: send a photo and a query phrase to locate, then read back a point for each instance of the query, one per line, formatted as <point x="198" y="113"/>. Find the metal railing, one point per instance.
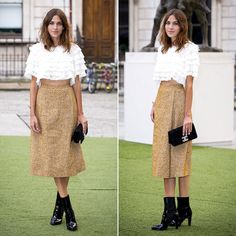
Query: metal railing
<point x="13" y="56"/>
<point x="14" y="52"/>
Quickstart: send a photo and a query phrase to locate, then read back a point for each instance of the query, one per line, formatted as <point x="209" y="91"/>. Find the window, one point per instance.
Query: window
<point x="10" y="18"/>
<point x="123" y="28"/>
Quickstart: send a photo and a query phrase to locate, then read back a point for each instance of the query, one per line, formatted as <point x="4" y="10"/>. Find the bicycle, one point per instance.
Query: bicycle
<point x="108" y="76"/>
<point x="90" y="81"/>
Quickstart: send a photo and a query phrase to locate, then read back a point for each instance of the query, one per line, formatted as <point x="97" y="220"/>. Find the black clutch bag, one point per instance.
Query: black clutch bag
<point x="78" y="135"/>
<point x="176" y="136"/>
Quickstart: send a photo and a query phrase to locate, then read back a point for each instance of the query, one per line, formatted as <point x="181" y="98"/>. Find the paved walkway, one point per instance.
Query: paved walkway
<point x="100" y="109"/>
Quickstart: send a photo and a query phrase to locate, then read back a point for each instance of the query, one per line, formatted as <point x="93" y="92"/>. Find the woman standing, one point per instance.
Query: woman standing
<point x="55" y="66"/>
<point x="176" y="66"/>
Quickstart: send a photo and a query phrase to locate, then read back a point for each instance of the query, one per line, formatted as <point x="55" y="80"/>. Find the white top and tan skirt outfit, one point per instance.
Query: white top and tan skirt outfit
<point x="169" y="161"/>
<point x="52" y="152"/>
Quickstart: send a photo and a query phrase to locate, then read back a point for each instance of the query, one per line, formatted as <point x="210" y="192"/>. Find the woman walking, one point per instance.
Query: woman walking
<point x="55" y="66"/>
<point x="176" y="65"/>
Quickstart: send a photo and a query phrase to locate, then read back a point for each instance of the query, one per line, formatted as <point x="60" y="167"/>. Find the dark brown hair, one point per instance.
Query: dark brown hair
<point x="182" y="37"/>
<point x="65" y="37"/>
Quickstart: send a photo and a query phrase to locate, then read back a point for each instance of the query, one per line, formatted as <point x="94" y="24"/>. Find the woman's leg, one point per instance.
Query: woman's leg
<point x="184" y="186"/>
<point x="169" y="187"/>
<point x="184" y="209"/>
<point x="62" y="183"/>
<point x="169" y="213"/>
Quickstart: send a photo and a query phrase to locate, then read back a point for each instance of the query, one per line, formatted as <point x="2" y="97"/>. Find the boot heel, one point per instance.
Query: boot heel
<point x="184" y="210"/>
<point x="169" y="215"/>
<point x="58" y="212"/>
<point x="189" y="220"/>
<point x="71" y="223"/>
<point x="176" y="222"/>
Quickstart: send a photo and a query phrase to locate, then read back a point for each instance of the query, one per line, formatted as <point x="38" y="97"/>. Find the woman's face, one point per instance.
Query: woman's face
<point x="55" y="28"/>
<point x="172" y="27"/>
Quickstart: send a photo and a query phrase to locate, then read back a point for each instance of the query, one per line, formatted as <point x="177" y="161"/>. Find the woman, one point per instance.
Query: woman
<point x="55" y="66"/>
<point x="176" y="66"/>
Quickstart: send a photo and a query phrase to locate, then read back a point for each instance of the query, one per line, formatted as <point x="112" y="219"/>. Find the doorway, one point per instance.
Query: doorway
<point x="99" y="30"/>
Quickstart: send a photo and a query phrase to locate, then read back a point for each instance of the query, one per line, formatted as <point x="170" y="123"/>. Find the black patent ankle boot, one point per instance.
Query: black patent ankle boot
<point x="184" y="210"/>
<point x="71" y="223"/>
<point x="169" y="214"/>
<point x="58" y="212"/>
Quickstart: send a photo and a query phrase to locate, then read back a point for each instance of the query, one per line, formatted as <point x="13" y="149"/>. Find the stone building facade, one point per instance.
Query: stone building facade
<point x="222" y="20"/>
<point x="20" y="22"/>
<point x="223" y="23"/>
<point x="34" y="12"/>
<point x="29" y="14"/>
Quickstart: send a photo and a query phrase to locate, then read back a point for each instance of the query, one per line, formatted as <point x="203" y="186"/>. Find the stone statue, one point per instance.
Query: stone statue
<point x="163" y="7"/>
<point x="188" y="7"/>
<point x="201" y="10"/>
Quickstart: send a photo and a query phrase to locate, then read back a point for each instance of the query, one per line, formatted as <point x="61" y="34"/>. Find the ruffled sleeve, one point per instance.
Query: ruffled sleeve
<point x="79" y="63"/>
<point x="192" y="60"/>
<point x="31" y="63"/>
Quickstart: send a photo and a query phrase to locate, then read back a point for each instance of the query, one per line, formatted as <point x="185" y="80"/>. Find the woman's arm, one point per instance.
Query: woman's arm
<point x="33" y="94"/>
<point x="81" y="118"/>
<point x="187" y="126"/>
<point x="152" y="114"/>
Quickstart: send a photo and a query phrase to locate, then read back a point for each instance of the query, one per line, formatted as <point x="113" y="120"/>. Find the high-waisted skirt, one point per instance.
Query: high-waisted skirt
<point x="52" y="152"/>
<point x="169" y="161"/>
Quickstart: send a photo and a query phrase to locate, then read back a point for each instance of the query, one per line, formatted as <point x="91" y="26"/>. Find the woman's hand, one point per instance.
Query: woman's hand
<point x="83" y="120"/>
<point x="187" y="126"/>
<point x="34" y="124"/>
<point x="152" y="114"/>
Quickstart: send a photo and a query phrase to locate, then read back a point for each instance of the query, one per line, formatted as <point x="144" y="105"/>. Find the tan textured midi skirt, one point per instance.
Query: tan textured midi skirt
<point x="169" y="161"/>
<point x="52" y="152"/>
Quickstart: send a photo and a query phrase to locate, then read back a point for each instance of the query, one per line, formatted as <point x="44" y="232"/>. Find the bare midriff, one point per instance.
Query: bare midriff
<point x="169" y="82"/>
<point x="55" y="82"/>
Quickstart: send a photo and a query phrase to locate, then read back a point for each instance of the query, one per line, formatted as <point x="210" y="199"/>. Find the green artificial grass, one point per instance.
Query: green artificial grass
<point x="27" y="202"/>
<point x="212" y="193"/>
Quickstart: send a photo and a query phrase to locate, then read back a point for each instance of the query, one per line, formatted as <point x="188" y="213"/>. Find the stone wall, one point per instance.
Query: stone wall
<point x="229" y="25"/>
<point x="146" y="13"/>
<point x="34" y="12"/>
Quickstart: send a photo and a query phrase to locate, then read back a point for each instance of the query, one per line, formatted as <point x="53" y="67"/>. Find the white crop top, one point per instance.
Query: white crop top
<point x="177" y="65"/>
<point x="56" y="64"/>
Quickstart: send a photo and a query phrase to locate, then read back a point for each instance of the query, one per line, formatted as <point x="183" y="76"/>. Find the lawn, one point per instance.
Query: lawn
<point x="212" y="193"/>
<point x="27" y="202"/>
